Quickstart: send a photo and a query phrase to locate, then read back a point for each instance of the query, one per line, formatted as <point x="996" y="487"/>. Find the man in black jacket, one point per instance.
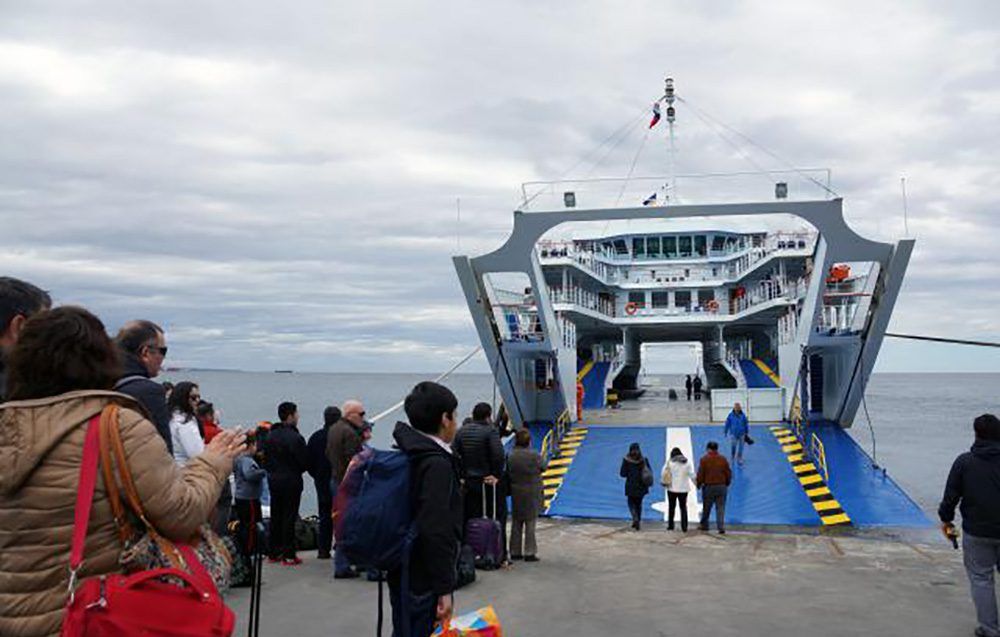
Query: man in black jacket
<point x="19" y="300"/>
<point x="478" y="446"/>
<point x="143" y="347"/>
<point x="437" y="509"/>
<point x="974" y="481"/>
<point x="285" y="459"/>
<point x="321" y="471"/>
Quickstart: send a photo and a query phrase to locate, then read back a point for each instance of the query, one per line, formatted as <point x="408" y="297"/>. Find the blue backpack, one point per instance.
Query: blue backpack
<point x="376" y="529"/>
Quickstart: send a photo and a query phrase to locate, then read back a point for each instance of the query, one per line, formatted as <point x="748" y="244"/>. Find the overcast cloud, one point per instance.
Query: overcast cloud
<point x="277" y="183"/>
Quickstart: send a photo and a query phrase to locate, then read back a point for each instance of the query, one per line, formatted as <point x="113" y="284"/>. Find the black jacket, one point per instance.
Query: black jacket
<point x="136" y="383"/>
<point x="478" y="446"/>
<point x="285" y="455"/>
<point x="975" y="480"/>
<point x="632" y="472"/>
<point x="437" y="511"/>
<point x="319" y="466"/>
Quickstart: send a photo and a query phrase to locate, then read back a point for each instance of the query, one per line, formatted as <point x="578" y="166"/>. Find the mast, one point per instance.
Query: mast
<point x="668" y="96"/>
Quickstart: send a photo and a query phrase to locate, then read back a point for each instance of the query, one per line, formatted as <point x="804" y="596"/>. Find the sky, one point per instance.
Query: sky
<point x="280" y="185"/>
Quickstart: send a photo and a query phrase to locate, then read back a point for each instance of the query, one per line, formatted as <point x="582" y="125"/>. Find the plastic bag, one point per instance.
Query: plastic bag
<point x="480" y="623"/>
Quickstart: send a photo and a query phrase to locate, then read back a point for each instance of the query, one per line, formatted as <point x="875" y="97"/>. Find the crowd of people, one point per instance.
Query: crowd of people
<point x="60" y="373"/>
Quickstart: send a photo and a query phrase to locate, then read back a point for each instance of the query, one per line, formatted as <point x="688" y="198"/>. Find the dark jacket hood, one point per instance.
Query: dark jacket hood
<point x="413" y="441"/>
<point x="679" y="459"/>
<point x="987" y="450"/>
<point x="638" y="460"/>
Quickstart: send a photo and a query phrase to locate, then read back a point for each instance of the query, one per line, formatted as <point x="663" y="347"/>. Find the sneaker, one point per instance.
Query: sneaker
<point x="703" y="528"/>
<point x="531" y="558"/>
<point x="722" y="531"/>
<point x="291" y="561"/>
<point x="516" y="557"/>
<point x="323" y="555"/>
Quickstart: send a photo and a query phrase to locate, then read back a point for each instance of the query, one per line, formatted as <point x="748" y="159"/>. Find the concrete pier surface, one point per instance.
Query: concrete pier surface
<point x="597" y="579"/>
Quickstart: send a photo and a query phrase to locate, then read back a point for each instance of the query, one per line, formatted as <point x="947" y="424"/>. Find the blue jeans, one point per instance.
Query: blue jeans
<point x="982" y="558"/>
<point x="422" y="609"/>
<point x="340" y="562"/>
<point x="736" y="447"/>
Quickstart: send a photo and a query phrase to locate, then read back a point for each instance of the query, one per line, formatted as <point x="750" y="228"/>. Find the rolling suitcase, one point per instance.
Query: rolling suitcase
<point x="484" y="535"/>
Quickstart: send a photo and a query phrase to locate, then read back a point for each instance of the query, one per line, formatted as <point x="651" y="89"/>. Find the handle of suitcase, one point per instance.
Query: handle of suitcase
<point x="494" y="515"/>
<point x="256" y="573"/>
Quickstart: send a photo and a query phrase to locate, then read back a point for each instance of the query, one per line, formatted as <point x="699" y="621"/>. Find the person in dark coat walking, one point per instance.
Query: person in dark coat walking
<point x="635" y="487"/>
<point x="974" y="481"/>
<point x="437" y="510"/>
<point x="286" y="459"/>
<point x="143" y="348"/>
<point x="524" y="466"/>
<point x="321" y="471"/>
<point x="19" y="300"/>
<point x="688" y="385"/>
<point x="697" y="387"/>
<point x="714" y="477"/>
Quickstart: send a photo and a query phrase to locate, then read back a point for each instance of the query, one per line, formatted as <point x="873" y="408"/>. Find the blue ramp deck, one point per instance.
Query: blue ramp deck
<point x="870" y="497"/>
<point x="765" y="490"/>
<point x="755" y="376"/>
<point x="593" y="386"/>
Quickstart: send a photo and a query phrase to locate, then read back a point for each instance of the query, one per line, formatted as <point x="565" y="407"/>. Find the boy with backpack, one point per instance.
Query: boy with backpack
<point x="436" y="502"/>
<point x="400" y="513"/>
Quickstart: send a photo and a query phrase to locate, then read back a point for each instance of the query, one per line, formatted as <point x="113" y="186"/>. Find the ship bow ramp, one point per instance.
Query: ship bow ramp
<point x="781" y="482"/>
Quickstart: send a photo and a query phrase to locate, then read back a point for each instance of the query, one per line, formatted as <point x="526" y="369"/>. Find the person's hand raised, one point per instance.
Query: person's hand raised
<point x="228" y="443"/>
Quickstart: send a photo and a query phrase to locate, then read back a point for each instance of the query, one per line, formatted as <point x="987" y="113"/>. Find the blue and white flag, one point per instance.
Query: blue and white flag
<point x="650" y="200"/>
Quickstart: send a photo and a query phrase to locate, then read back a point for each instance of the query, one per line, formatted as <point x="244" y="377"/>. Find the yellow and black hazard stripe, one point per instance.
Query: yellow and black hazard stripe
<point x="552" y="477"/>
<point x="829" y="510"/>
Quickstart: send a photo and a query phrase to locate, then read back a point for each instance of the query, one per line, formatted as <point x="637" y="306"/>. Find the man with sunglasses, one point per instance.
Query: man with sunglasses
<point x="143" y="347"/>
<point x="19" y="300"/>
<point x="343" y="441"/>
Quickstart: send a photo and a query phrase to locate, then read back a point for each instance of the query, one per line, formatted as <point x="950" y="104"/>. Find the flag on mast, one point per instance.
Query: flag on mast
<point x="650" y="200"/>
<point x="656" y="114"/>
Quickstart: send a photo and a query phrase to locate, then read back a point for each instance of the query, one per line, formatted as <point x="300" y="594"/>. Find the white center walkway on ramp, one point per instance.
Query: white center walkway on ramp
<point x="680" y="437"/>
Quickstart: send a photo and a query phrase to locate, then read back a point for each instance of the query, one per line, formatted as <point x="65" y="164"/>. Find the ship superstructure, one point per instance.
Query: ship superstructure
<point x="802" y="312"/>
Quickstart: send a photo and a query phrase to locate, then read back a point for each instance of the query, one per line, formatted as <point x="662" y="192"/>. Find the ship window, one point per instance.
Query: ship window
<point x="699" y="244"/>
<point x="685" y="243"/>
<point x="638" y="247"/>
<point x="704" y="296"/>
<point x="682" y="299"/>
<point x="639" y="298"/>
<point x="718" y="243"/>
<point x="620" y="247"/>
<point x="661" y="299"/>
<point x="653" y="246"/>
<point x="670" y="246"/>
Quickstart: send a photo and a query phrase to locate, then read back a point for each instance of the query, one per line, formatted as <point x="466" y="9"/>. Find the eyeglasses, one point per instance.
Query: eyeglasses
<point x="194" y="398"/>
<point x="154" y="348"/>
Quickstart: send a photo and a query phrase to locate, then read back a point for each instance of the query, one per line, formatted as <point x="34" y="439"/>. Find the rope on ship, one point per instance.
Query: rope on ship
<point x="941" y="339"/>
<point x="448" y="373"/>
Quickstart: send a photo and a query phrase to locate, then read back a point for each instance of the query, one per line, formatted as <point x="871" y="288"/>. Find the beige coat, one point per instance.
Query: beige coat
<point x="525" y="466"/>
<point x="41" y="445"/>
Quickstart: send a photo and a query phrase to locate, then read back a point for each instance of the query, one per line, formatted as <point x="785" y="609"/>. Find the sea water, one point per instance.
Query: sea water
<point x="920" y="422"/>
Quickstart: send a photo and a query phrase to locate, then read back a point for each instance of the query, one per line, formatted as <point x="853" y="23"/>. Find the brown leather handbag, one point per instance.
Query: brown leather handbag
<point x="144" y="548"/>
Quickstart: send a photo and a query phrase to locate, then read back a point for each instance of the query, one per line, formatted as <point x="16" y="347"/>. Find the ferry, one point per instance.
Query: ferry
<point x="759" y="273"/>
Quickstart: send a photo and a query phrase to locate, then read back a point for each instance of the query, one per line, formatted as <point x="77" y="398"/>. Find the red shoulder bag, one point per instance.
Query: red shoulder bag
<point x="118" y="605"/>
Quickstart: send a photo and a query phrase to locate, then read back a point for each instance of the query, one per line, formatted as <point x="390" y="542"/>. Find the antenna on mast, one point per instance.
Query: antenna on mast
<point x="668" y="97"/>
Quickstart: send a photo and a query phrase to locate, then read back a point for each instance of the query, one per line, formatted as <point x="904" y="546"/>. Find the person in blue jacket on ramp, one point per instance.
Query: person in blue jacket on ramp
<point x="737" y="428"/>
